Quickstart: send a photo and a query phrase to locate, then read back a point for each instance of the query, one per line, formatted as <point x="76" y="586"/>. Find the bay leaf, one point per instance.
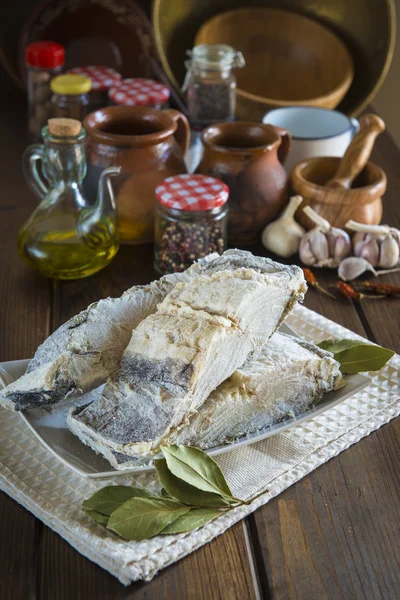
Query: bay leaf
<point x="142" y="518"/>
<point x="356" y="356"/>
<point x="184" y="492"/>
<point x="109" y="498"/>
<point x="196" y="468"/>
<point x="96" y="516"/>
<point x="337" y="345"/>
<point x="195" y="518"/>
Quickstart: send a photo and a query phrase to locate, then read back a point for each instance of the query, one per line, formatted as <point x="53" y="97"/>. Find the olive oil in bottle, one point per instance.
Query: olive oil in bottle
<point x="66" y="237"/>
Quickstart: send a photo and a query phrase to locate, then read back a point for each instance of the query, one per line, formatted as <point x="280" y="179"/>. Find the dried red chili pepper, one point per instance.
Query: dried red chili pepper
<point x="312" y="280"/>
<point x="383" y="288"/>
<point x="349" y="292"/>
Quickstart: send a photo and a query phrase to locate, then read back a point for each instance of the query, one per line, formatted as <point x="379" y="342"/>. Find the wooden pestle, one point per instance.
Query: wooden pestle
<point x="358" y="152"/>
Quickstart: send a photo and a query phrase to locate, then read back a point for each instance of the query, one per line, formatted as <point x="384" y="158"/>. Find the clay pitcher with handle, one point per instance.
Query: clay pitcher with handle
<point x="248" y="157"/>
<point x="149" y="145"/>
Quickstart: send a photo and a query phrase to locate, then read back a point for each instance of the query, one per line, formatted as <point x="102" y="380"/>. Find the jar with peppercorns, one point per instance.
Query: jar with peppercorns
<point x="191" y="220"/>
<point x="103" y="79"/>
<point x="44" y="61"/>
<point x="139" y="92"/>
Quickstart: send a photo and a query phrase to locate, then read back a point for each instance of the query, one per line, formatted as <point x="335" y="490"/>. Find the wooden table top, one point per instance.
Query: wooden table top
<point x="335" y="534"/>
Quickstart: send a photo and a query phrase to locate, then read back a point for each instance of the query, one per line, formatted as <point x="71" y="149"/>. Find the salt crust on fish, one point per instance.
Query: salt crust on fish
<point x="201" y="333"/>
<point x="82" y="353"/>
<point x="282" y="380"/>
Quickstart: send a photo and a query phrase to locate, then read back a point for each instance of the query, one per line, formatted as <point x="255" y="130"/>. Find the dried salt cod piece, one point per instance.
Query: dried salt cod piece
<point x="85" y="351"/>
<point x="283" y="379"/>
<point x="82" y="353"/>
<point x="202" y="332"/>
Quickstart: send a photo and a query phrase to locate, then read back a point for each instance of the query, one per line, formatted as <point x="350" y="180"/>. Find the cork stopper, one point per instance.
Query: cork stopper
<point x="64" y="127"/>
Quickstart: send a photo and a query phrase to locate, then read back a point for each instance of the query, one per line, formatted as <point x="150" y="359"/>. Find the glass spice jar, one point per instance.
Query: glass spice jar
<point x="102" y="78"/>
<point x="139" y="92"/>
<point x="70" y="98"/>
<point x="210" y="83"/>
<point x="44" y="61"/>
<point x="191" y="220"/>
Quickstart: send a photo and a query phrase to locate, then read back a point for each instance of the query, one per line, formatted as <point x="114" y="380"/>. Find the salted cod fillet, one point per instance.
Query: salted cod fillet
<point x="201" y="333"/>
<point x="282" y="380"/>
<point x="82" y="353"/>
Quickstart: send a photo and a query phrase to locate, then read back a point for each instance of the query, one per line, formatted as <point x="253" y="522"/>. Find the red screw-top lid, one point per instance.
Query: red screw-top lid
<point x="102" y="78"/>
<point x="192" y="192"/>
<point x="45" y="55"/>
<point x="139" y="92"/>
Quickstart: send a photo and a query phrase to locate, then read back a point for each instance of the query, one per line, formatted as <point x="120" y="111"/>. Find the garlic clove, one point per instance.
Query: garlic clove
<point x="389" y="253"/>
<point x="339" y="243"/>
<point x="358" y="241"/>
<point x="370" y="251"/>
<point x="319" y="244"/>
<point x="353" y="266"/>
<point x="305" y="252"/>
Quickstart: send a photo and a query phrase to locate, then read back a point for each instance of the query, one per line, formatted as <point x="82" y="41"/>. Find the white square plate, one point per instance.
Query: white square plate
<point x="50" y="425"/>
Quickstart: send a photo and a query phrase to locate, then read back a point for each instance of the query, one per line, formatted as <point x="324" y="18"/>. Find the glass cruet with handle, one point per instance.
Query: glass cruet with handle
<point x="67" y="237"/>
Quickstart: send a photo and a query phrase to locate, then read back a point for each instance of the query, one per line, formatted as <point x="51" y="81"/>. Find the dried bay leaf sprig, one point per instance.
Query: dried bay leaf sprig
<point x="356" y="356"/>
<point x="194" y="492"/>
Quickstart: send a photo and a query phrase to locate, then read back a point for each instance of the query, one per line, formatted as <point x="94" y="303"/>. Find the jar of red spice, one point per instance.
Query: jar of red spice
<point x="191" y="220"/>
<point x="139" y="92"/>
<point x="44" y="61"/>
<point x="103" y="79"/>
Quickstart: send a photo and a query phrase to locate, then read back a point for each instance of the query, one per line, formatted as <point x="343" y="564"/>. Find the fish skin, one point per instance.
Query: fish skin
<point x="208" y="326"/>
<point x="285" y="378"/>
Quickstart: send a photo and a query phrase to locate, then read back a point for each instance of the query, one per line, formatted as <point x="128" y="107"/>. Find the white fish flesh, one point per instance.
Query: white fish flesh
<point x="201" y="333"/>
<point x="285" y="378"/>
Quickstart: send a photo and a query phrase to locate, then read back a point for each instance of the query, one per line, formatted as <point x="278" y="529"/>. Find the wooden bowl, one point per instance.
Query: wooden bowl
<point x="362" y="202"/>
<point x="368" y="27"/>
<point x="290" y="60"/>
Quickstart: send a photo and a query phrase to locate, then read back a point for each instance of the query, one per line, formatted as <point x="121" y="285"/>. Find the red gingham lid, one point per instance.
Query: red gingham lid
<point x="102" y="78"/>
<point x="139" y="92"/>
<point x="192" y="192"/>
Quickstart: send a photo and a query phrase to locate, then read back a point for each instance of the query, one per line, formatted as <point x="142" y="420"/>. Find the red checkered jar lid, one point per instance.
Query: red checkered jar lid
<point x="102" y="78"/>
<point x="192" y="192"/>
<point x="139" y="92"/>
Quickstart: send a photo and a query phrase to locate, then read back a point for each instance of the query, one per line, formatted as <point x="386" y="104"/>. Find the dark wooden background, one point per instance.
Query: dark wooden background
<point x="335" y="534"/>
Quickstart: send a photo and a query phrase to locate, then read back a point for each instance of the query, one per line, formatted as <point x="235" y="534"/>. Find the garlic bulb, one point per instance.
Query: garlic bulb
<point x="379" y="244"/>
<point x="283" y="235"/>
<point x="324" y="245"/>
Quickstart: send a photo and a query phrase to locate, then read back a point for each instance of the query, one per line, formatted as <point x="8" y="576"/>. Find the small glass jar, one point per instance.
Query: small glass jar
<point x="103" y="79"/>
<point x="210" y="84"/>
<point x="70" y="98"/>
<point x="44" y="61"/>
<point x="140" y="92"/>
<point x="190" y="221"/>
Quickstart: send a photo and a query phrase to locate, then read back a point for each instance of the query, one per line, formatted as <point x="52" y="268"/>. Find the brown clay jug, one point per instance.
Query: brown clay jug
<point x="149" y="145"/>
<point x="248" y="157"/>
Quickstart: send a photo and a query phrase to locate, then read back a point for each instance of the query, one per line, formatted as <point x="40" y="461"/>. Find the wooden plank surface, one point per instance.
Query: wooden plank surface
<point x="335" y="534"/>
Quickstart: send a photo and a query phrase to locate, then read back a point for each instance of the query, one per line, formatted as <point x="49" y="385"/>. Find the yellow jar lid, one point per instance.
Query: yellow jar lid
<point x="71" y="84"/>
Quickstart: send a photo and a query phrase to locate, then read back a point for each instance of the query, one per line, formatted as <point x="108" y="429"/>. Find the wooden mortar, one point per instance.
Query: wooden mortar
<point x="362" y="203"/>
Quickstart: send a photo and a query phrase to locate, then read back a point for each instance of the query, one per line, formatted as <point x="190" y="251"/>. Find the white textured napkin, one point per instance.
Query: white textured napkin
<point x="36" y="479"/>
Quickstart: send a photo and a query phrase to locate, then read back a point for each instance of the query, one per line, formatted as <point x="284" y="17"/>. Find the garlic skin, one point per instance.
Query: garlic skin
<point x="283" y="235"/>
<point x="323" y="246"/>
<point x="379" y="244"/>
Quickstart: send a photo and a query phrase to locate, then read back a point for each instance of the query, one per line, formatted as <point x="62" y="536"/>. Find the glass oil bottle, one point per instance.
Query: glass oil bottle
<point x="67" y="237"/>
